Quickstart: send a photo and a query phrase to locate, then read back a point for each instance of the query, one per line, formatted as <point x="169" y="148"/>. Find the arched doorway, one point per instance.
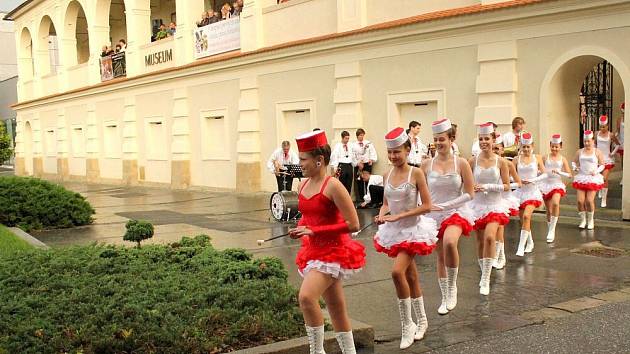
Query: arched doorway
<point x="563" y="107"/>
<point x="27" y="143"/>
<point x="76" y="33"/>
<point x="112" y="13"/>
<point x="48" y="53"/>
<point x="26" y="67"/>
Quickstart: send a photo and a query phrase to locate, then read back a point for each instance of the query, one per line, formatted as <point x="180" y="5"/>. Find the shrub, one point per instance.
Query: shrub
<point x="138" y="230"/>
<point x="5" y="144"/>
<point x="155" y="299"/>
<point x="31" y="203"/>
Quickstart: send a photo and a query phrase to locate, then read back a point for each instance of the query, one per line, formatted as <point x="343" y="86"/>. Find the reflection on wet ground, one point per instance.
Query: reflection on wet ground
<point x="550" y="275"/>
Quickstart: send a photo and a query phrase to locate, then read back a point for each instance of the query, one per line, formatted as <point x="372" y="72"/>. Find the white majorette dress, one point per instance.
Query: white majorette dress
<point x="414" y="235"/>
<point x="588" y="177"/>
<point x="603" y="145"/>
<point x="489" y="206"/>
<point x="528" y="194"/>
<point x="553" y="183"/>
<point x="445" y="188"/>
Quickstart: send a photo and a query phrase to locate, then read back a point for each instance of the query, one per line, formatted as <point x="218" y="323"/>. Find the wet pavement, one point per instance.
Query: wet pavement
<point x="553" y="274"/>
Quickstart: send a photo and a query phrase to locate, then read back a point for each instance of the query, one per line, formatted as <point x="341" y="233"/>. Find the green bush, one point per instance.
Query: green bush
<point x="178" y="298"/>
<point x="31" y="203"/>
<point x="138" y="230"/>
<point x="5" y="144"/>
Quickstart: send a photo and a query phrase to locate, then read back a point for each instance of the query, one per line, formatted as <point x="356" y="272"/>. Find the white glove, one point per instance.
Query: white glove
<point x="454" y="203"/>
<point x="538" y="178"/>
<point x="491" y="187"/>
<point x="564" y="174"/>
<point x="601" y="168"/>
<point x="612" y="153"/>
<point x="513" y="185"/>
<point x="574" y="166"/>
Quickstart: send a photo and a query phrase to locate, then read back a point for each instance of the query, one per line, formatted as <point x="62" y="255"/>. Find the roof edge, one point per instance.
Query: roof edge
<point x="9" y="16"/>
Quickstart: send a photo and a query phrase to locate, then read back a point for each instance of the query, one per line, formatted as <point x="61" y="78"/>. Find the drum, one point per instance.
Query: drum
<point x="284" y="205"/>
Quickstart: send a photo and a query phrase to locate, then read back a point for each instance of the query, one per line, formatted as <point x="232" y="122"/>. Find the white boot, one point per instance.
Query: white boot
<point x="408" y="327"/>
<point x="316" y="339"/>
<point x="551" y="233"/>
<point x="529" y="246"/>
<point x="443" y="310"/>
<point x="484" y="288"/>
<point x="599" y="193"/>
<point x="421" y="317"/>
<point x="451" y="294"/>
<point x="346" y="342"/>
<point x="582" y="219"/>
<point x="604" y="196"/>
<point x="479" y="260"/>
<point x="495" y="263"/>
<point x="590" y="223"/>
<point x="521" y="244"/>
<point x="501" y="256"/>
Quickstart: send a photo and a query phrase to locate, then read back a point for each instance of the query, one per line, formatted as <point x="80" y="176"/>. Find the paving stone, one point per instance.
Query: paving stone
<point x="579" y="304"/>
<point x="544" y="314"/>
<point x="613" y="296"/>
<point x="625" y="290"/>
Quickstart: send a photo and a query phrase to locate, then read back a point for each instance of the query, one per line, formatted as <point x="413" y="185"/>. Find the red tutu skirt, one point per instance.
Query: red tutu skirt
<point x="411" y="248"/>
<point x="348" y="253"/>
<point x="587" y="186"/>
<point x="456" y="220"/>
<point x="549" y="195"/>
<point x="535" y="203"/>
<point x="609" y="166"/>
<point x="500" y="218"/>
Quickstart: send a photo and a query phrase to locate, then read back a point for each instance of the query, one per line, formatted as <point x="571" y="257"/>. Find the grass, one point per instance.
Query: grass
<point x="10" y="243"/>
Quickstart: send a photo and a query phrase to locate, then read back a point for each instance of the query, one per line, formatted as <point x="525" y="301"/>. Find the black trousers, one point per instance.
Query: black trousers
<point x="346" y="176"/>
<point x="376" y="193"/>
<point x="280" y="180"/>
<point x="361" y="186"/>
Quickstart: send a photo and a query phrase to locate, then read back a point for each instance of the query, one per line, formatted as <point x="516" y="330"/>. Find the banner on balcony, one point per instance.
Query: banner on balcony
<point x="218" y="37"/>
<point x="113" y="66"/>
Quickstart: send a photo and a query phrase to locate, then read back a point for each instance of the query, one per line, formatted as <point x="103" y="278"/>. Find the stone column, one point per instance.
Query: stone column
<point x="248" y="164"/>
<point x="20" y="149"/>
<point x="252" y="30"/>
<point x="66" y="45"/>
<point x="347" y="98"/>
<point x="99" y="36"/>
<point x="92" y="147"/>
<point x="351" y="14"/>
<point x="180" y="147"/>
<point x="188" y="13"/>
<point x="63" y="171"/>
<point x="38" y="159"/>
<point x="497" y="84"/>
<point x="138" y="15"/>
<point x="130" y="142"/>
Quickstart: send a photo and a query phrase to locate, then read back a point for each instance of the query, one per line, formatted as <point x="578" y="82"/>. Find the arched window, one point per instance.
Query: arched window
<point x="77" y="29"/>
<point x="48" y="53"/>
<point x="112" y="13"/>
<point x="26" y="67"/>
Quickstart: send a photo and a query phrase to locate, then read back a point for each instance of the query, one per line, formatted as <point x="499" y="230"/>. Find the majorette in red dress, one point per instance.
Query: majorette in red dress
<point x="330" y="250"/>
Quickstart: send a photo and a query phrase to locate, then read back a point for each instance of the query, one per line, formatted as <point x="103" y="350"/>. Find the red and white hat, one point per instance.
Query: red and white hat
<point x="603" y="120"/>
<point x="396" y="138"/>
<point x="527" y="139"/>
<point x="588" y="134"/>
<point x="486" y="128"/>
<point x="311" y="140"/>
<point x="440" y="126"/>
<point x="499" y="139"/>
<point x="556" y="139"/>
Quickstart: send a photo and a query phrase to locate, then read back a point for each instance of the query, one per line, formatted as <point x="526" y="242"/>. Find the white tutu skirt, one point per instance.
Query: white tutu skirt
<point x="487" y="210"/>
<point x="513" y="202"/>
<point x="549" y="186"/>
<point x="415" y="237"/>
<point x="588" y="182"/>
<point x="334" y="269"/>
<point x="529" y="195"/>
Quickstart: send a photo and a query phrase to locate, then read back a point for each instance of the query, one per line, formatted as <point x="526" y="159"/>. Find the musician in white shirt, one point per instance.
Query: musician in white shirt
<point x="419" y="151"/>
<point x="512" y="140"/>
<point x="342" y="160"/>
<point x="276" y="164"/>
<point x="374" y="191"/>
<point x="364" y="158"/>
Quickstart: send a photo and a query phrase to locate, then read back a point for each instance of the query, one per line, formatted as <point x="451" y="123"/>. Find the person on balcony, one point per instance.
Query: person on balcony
<point x="162" y="33"/>
<point x="123" y="45"/>
<point x="226" y="11"/>
<point x="172" y="28"/>
<point x="236" y="9"/>
<point x="205" y="19"/>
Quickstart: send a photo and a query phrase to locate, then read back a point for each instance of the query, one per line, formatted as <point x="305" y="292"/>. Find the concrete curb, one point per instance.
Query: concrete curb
<point x="363" y="338"/>
<point x="567" y="308"/>
<point x="28" y="238"/>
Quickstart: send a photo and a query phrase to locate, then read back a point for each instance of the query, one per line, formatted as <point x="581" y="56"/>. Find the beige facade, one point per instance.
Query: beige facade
<point x="332" y="64"/>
